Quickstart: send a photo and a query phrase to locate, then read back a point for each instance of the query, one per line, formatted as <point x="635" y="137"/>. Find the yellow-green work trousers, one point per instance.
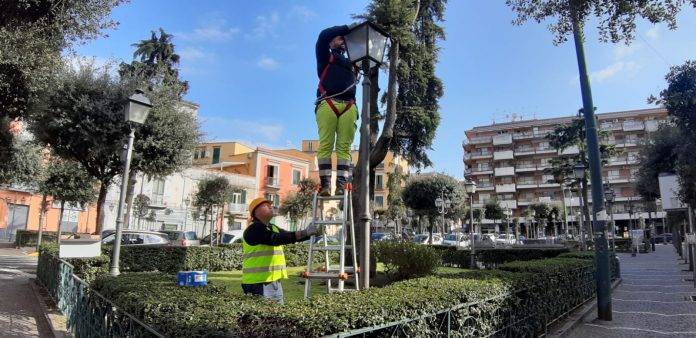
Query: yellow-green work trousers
<point x="338" y="130"/>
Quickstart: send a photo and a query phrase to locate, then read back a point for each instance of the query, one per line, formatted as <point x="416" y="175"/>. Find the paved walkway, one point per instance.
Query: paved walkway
<point x="20" y="313"/>
<point x="653" y="299"/>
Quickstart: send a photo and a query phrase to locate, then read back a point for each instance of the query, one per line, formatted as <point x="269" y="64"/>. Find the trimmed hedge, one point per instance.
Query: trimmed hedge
<point x="86" y="268"/>
<point x="406" y="260"/>
<point x="492" y="257"/>
<point x="530" y="293"/>
<point x="31" y="237"/>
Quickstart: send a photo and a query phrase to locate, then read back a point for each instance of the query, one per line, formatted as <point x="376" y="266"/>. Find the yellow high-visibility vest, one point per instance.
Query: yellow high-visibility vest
<point x="263" y="263"/>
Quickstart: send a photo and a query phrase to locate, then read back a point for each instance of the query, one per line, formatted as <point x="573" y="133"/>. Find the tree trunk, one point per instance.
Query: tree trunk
<point x="103" y="189"/>
<point x="60" y="220"/>
<point x="212" y="228"/>
<point x="587" y="224"/>
<point x="129" y="199"/>
<point x="42" y="221"/>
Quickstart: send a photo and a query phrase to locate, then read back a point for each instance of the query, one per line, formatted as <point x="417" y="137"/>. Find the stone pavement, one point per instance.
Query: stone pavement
<point x="653" y="299"/>
<point x="20" y="313"/>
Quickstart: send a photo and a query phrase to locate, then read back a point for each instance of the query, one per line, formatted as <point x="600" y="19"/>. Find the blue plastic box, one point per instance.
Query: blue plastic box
<point x="192" y="278"/>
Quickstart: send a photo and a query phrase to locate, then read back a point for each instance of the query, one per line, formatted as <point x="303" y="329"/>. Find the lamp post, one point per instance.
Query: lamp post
<point x="508" y="214"/>
<point x="135" y="111"/>
<point x="187" y="202"/>
<point x="631" y="226"/>
<point x="609" y="197"/>
<point x="442" y="203"/>
<point x="365" y="44"/>
<point x="470" y="187"/>
<point x="579" y="174"/>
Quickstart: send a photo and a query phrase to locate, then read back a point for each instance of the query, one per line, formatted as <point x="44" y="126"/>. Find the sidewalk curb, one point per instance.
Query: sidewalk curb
<point x="578" y="316"/>
<point x="57" y="333"/>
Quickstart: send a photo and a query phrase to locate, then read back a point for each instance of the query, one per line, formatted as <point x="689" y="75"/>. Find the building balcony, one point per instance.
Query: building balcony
<point x="524" y="151"/>
<point x="505" y="171"/>
<point x="479" y="171"/>
<point x="527" y="185"/>
<point x="502" y="139"/>
<point x="610" y="126"/>
<point x="618" y="179"/>
<point x="509" y="204"/>
<point x="525" y="202"/>
<point x="524" y="168"/>
<point x="634" y="125"/>
<point x="235" y="208"/>
<point x="543" y="166"/>
<point x="548" y="150"/>
<point x="651" y="125"/>
<point x="549" y="185"/>
<point x="480" y="140"/>
<point x="477" y="155"/>
<point x="487" y="187"/>
<point x="503" y="155"/>
<point x="272" y="182"/>
<point x="569" y="151"/>
<point x="522" y="136"/>
<point x="503" y="188"/>
<point x="479" y="205"/>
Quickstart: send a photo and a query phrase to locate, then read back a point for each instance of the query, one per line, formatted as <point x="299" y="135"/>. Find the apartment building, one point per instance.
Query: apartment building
<point x="392" y="163"/>
<point x="508" y="162"/>
<point x="277" y="172"/>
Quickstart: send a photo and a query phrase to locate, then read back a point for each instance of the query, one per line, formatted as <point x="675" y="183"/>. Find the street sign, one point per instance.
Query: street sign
<point x="691" y="238"/>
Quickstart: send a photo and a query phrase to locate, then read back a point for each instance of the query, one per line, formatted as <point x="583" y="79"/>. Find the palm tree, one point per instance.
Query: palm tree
<point x="157" y="50"/>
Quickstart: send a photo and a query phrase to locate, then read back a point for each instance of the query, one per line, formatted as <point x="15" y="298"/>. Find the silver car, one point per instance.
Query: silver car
<point x="138" y="237"/>
<point x="182" y="238"/>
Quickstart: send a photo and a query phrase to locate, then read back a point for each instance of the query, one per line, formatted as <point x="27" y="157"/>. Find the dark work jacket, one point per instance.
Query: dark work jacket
<point x="340" y="75"/>
<point x="259" y="233"/>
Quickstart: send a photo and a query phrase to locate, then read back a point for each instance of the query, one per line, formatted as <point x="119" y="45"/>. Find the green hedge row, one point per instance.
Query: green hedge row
<point x="31" y="237"/>
<point x="492" y="257"/>
<point x="530" y="294"/>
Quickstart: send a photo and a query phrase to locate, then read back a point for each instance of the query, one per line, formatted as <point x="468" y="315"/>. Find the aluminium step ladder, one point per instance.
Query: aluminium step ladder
<point x="328" y="272"/>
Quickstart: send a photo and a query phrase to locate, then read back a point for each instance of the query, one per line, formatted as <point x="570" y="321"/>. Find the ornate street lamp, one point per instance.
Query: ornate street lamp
<point x="442" y="203"/>
<point x="135" y="112"/>
<point x="365" y="44"/>
<point x="470" y="188"/>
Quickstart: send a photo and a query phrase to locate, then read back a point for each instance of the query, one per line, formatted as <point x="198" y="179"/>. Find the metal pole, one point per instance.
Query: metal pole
<point x="365" y="179"/>
<point x="604" y="311"/>
<point x="581" y="220"/>
<point x="115" y="255"/>
<point x="613" y="228"/>
<point x="472" y="233"/>
<point x="689" y="246"/>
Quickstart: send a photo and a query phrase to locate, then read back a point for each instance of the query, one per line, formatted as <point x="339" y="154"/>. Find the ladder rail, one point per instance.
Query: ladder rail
<point x="310" y="257"/>
<point x="354" y="243"/>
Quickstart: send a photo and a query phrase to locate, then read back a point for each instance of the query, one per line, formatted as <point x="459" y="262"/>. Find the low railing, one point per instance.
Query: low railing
<point x="88" y="313"/>
<point x="516" y="314"/>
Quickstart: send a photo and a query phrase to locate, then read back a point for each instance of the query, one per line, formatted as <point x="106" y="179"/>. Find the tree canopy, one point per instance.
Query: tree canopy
<point x="420" y="193"/>
<point x="298" y="204"/>
<point x="616" y="19"/>
<point x="68" y="182"/>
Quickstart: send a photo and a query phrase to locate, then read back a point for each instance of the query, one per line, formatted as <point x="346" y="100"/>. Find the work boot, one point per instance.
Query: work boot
<point x="343" y="175"/>
<point x="325" y="189"/>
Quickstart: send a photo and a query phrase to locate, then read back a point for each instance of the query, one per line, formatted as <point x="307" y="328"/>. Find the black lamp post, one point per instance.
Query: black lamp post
<point x="470" y="187"/>
<point x="366" y="44"/>
<point x="609" y="197"/>
<point x="579" y="174"/>
<point x="135" y="111"/>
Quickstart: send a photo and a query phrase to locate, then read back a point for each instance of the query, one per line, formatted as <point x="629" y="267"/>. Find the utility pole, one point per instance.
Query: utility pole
<point x="604" y="311"/>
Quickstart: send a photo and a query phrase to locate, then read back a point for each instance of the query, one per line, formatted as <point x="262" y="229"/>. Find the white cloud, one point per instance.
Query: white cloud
<point x="268" y="63"/>
<point x="215" y="31"/>
<point x="302" y="12"/>
<point x="191" y="54"/>
<point x="108" y="65"/>
<point x="653" y="33"/>
<point x="613" y="70"/>
<point x="621" y="51"/>
<point x="231" y="128"/>
<point x="265" y="26"/>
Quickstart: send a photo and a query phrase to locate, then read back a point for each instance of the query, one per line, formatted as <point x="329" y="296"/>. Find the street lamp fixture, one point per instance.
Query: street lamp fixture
<point x="135" y="112"/>
<point x="365" y="44"/>
<point x="470" y="188"/>
<point x="579" y="170"/>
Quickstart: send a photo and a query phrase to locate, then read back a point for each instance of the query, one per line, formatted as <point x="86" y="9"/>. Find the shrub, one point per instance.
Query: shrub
<point x="406" y="260"/>
<point x="86" y="268"/>
<point x="31" y="237"/>
<point x="492" y="257"/>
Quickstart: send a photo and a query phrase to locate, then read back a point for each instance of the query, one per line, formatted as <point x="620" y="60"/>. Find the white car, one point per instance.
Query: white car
<point x="455" y="240"/>
<point x="505" y="239"/>
<point x="424" y="239"/>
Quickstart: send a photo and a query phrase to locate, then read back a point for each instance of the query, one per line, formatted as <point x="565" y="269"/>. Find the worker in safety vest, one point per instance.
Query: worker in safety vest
<point x="264" y="262"/>
<point x="335" y="110"/>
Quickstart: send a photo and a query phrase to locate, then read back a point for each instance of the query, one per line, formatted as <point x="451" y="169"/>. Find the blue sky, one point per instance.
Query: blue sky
<point x="251" y="66"/>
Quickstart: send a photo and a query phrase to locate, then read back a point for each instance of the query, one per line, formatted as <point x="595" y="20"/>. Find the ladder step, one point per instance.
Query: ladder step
<point x="330" y="248"/>
<point x="322" y="275"/>
<point x="330" y="198"/>
<point x="347" y="269"/>
<point x="335" y="222"/>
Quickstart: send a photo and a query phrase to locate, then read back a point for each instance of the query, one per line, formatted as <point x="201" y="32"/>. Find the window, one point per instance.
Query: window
<point x="199" y="153"/>
<point x="379" y="182"/>
<point x="379" y="201"/>
<point x="237" y="197"/>
<point x="272" y="174"/>
<point x="216" y="155"/>
<point x="613" y="173"/>
<point x="547" y="179"/>
<point x="236" y="225"/>
<point x="296" y="176"/>
<point x="158" y="191"/>
<point x="274" y="198"/>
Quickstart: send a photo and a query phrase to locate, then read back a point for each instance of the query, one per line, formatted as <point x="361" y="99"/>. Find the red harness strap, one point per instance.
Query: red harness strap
<point x="322" y="91"/>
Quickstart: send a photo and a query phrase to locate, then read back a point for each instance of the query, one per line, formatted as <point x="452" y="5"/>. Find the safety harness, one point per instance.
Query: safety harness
<point x="322" y="90"/>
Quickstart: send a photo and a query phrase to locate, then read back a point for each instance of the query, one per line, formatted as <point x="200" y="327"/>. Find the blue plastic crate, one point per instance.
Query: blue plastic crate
<point x="192" y="278"/>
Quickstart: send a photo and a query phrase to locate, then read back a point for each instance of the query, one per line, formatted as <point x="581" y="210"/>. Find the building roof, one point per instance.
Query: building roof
<point x="565" y="119"/>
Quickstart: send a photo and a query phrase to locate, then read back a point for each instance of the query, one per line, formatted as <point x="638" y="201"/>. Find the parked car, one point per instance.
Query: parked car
<point x="424" y="239"/>
<point x="138" y="237"/>
<point x="455" y="240"/>
<point x="182" y="238"/>
<point x="505" y="239"/>
<point x="664" y="238"/>
<point x="381" y="236"/>
<point x="227" y="238"/>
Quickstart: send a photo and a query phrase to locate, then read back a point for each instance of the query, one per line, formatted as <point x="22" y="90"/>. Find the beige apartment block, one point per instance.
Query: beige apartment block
<point x="508" y="162"/>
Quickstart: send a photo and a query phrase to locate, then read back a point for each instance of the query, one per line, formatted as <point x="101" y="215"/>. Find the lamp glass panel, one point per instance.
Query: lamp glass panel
<point x="377" y="43"/>
<point x="356" y="43"/>
<point x="136" y="112"/>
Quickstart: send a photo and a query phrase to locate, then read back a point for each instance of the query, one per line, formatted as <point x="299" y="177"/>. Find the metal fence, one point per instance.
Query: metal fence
<point x="518" y="314"/>
<point x="88" y="313"/>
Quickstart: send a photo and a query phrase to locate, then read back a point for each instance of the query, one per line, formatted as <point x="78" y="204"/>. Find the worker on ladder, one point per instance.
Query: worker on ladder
<point x="264" y="262"/>
<point x="335" y="110"/>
